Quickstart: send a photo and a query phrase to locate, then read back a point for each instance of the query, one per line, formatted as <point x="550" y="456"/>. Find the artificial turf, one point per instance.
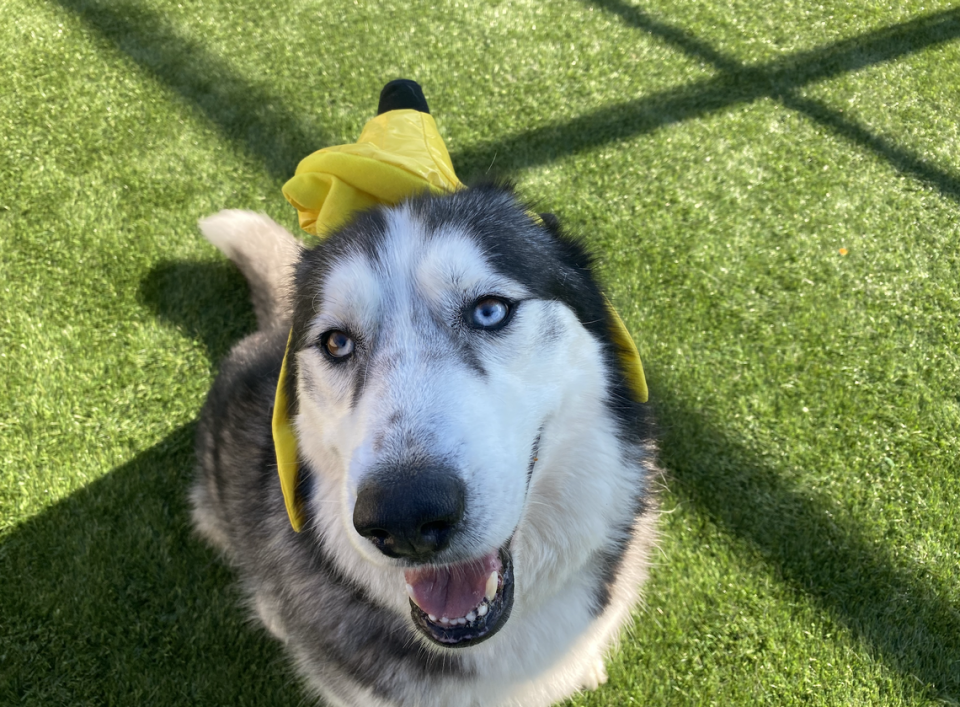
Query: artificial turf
<point x="773" y="192"/>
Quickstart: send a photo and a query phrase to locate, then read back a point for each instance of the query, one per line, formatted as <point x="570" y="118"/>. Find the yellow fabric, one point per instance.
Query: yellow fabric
<point x="628" y="355"/>
<point x="285" y="442"/>
<point x="399" y="154"/>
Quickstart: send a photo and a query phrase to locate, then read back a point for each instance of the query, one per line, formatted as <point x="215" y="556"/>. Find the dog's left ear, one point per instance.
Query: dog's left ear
<point x="551" y="222"/>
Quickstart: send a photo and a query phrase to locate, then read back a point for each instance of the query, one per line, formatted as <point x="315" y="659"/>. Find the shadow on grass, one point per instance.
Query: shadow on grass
<point x="889" y="605"/>
<point x="251" y="116"/>
<point x="107" y="598"/>
<point x="736" y="84"/>
<point x="206" y="301"/>
<point x="248" y="114"/>
<point x="780" y="78"/>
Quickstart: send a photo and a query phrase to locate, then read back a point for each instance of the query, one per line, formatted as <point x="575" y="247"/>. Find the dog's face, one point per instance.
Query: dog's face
<point x="435" y="344"/>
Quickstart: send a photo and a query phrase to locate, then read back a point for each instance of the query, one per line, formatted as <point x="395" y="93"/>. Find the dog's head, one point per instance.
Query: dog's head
<point x="441" y="350"/>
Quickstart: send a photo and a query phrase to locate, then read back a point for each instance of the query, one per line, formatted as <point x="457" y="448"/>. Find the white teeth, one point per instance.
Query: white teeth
<point x="491" y="591"/>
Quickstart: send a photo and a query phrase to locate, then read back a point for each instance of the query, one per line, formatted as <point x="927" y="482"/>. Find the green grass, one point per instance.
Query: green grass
<point x="719" y="158"/>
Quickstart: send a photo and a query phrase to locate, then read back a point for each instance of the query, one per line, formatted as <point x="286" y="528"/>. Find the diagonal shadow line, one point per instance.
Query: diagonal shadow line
<point x="847" y="55"/>
<point x="735" y="85"/>
<point x="901" y="159"/>
<point x="885" y="603"/>
<point x="247" y="114"/>
<point x="864" y="50"/>
<point x="254" y="118"/>
<point x="674" y="36"/>
<point x="107" y="598"/>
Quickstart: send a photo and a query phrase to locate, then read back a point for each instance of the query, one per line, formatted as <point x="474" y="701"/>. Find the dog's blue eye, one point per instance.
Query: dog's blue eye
<point x="489" y="313"/>
<point x="337" y="344"/>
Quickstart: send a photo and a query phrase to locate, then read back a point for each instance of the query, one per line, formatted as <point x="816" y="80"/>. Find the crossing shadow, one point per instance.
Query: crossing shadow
<point x="734" y="85"/>
<point x="255" y="119"/>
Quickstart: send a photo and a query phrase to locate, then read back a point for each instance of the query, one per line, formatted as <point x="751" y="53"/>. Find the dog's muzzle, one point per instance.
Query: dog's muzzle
<point x="413" y="515"/>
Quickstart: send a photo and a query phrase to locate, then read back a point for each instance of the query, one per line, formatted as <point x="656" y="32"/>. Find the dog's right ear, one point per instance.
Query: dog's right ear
<point x="552" y="223"/>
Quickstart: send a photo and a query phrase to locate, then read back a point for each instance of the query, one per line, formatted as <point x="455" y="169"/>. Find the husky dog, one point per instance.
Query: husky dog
<point x="476" y="475"/>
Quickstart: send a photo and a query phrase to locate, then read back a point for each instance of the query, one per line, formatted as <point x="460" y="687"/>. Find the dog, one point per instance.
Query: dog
<point x="477" y="479"/>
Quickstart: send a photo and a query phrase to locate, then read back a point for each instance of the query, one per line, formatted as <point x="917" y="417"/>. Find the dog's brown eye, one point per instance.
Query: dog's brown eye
<point x="337" y="344"/>
<point x="489" y="313"/>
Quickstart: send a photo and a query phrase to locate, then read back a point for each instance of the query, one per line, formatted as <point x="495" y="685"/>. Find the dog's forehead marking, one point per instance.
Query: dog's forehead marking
<point x="364" y="282"/>
<point x="413" y="264"/>
<point x="451" y="260"/>
<point x="443" y="260"/>
<point x="454" y="266"/>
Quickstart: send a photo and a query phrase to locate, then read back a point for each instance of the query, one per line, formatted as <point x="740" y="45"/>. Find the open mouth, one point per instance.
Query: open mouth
<point x="462" y="604"/>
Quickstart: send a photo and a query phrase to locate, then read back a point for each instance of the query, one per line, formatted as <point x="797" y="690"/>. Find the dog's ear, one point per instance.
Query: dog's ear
<point x="552" y="223"/>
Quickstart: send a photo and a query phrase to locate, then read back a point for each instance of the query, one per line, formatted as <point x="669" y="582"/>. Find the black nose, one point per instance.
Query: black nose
<point x="410" y="513"/>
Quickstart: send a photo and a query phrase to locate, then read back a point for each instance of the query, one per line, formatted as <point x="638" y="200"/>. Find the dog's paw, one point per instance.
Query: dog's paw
<point x="595" y="675"/>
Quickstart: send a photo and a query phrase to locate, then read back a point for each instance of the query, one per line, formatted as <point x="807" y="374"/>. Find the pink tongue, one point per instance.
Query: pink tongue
<point x="452" y="590"/>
